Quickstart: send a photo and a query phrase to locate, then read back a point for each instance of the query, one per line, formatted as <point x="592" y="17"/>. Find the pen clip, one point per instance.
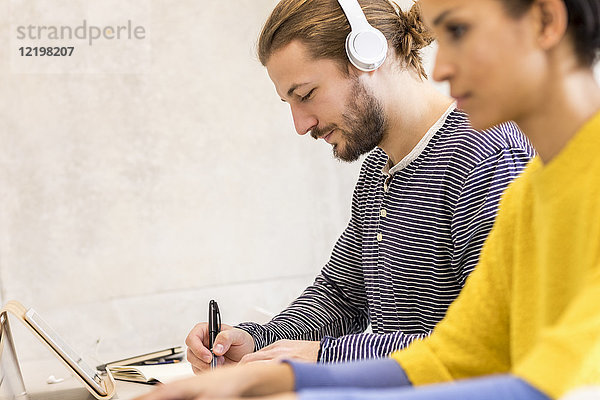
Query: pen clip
<point x="214" y="316"/>
<point x="217" y="314"/>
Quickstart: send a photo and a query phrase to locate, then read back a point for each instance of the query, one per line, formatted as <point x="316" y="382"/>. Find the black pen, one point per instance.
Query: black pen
<point x="214" y="327"/>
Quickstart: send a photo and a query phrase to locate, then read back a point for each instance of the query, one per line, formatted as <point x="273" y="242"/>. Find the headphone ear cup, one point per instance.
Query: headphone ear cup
<point x="366" y="49"/>
<point x="366" y="46"/>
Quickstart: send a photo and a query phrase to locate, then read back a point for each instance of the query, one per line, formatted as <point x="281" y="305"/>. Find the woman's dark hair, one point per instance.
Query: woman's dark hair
<point x="583" y="25"/>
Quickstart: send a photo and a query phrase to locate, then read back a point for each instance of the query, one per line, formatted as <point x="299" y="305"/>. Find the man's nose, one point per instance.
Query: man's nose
<point x="304" y="121"/>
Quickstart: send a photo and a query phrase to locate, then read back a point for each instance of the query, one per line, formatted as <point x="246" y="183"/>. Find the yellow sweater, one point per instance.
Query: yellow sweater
<point x="532" y="306"/>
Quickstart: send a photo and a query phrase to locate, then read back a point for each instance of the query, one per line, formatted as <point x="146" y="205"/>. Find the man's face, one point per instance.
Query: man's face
<point x="331" y="105"/>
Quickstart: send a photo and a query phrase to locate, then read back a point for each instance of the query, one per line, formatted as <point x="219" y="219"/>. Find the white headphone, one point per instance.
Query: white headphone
<point x="366" y="46"/>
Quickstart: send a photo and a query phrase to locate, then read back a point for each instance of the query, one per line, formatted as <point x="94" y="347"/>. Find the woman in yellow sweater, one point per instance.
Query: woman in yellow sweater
<point x="529" y="316"/>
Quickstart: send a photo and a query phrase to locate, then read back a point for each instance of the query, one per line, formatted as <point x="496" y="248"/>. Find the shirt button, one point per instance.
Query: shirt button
<point x="379" y="237"/>
<point x="383" y="213"/>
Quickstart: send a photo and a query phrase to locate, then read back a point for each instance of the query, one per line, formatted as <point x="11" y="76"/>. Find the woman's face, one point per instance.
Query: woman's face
<point x="492" y="60"/>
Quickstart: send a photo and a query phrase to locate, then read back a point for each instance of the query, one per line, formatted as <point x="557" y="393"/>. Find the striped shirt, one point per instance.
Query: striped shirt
<point x="414" y="236"/>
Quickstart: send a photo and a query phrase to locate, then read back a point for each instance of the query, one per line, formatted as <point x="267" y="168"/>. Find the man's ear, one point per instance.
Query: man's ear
<point x="553" y="21"/>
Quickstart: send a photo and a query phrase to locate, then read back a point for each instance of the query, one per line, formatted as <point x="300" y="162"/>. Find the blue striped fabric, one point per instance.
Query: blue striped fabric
<point x="413" y="238"/>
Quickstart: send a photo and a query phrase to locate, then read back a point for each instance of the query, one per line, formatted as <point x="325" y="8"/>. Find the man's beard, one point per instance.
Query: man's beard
<point x="365" y="125"/>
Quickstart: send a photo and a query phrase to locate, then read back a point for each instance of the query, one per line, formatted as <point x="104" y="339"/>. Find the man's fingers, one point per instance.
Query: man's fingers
<point x="226" y="339"/>
<point x="196" y="370"/>
<point x="220" y="360"/>
<point x="198" y="365"/>
<point x="230" y="342"/>
<point x="198" y="332"/>
<point x="223" y="342"/>
<point x="195" y="355"/>
<point x="195" y="342"/>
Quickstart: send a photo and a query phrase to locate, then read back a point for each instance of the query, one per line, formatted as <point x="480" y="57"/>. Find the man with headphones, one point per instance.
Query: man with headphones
<point x="425" y="200"/>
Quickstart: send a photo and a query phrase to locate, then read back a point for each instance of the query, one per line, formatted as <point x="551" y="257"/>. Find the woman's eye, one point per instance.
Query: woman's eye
<point x="307" y="96"/>
<point x="456" y="31"/>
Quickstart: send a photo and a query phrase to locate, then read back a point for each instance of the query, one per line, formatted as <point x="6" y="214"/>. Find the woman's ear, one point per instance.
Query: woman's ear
<point x="553" y="21"/>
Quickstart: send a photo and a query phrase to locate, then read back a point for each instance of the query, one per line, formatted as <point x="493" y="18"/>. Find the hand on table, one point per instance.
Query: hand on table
<point x="303" y="350"/>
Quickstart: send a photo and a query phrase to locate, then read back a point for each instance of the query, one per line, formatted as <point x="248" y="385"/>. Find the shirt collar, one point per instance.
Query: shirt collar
<point x="389" y="170"/>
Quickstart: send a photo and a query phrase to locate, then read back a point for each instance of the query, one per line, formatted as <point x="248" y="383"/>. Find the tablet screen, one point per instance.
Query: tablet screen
<point x="88" y="373"/>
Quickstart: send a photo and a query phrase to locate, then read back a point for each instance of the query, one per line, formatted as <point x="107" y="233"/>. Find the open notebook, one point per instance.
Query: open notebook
<point x="163" y="373"/>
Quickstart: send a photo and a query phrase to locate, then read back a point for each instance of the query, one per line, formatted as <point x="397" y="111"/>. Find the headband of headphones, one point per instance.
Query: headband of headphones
<point x="366" y="46"/>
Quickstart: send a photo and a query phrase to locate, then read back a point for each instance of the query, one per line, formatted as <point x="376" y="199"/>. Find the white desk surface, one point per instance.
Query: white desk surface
<point x="35" y="375"/>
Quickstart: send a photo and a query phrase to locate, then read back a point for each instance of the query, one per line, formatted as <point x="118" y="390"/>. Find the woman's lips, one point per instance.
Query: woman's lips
<point x="461" y="99"/>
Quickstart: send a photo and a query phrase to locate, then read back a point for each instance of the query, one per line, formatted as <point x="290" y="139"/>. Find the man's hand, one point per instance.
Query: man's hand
<point x="231" y="344"/>
<point x="245" y="380"/>
<point x="285" y="350"/>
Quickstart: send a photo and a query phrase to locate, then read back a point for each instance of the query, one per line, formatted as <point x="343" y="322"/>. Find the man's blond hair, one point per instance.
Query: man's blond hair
<point x="322" y="26"/>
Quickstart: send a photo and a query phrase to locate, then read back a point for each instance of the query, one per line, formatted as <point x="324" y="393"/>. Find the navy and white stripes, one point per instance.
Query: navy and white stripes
<point x="414" y="236"/>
